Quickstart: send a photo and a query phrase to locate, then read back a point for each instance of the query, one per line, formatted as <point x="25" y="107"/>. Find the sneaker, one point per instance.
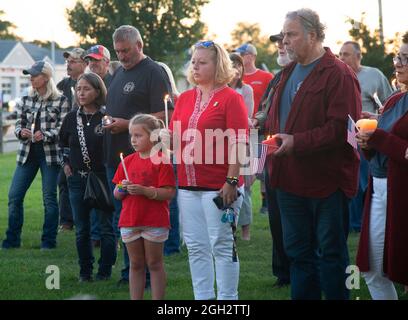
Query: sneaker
<point x="65" y="227"/>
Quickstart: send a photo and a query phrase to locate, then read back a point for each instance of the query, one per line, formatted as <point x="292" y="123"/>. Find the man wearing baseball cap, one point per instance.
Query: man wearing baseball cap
<point x="98" y="58"/>
<point x="75" y="67"/>
<point x="256" y="78"/>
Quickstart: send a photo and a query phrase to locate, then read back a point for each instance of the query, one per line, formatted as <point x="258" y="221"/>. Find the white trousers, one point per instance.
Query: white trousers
<point x="381" y="288"/>
<point x="209" y="240"/>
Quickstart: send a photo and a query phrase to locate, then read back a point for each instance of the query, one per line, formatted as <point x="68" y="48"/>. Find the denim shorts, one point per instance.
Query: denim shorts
<point x="152" y="234"/>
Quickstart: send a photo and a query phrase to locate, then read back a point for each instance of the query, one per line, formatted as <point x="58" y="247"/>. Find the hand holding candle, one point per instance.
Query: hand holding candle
<point x="124" y="167"/>
<point x="365" y="125"/>
<point x="271" y="141"/>
<point x="106" y="120"/>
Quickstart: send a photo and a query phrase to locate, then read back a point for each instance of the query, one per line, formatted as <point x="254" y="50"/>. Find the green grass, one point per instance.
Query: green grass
<point x="23" y="271"/>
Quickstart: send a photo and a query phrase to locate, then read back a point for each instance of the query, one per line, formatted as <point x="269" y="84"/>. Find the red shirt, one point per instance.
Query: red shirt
<point x="224" y="110"/>
<point x="259" y="81"/>
<point x="139" y="211"/>
<point x="322" y="161"/>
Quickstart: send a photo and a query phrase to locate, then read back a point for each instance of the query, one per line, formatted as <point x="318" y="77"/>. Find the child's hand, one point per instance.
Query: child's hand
<point x="135" y="189"/>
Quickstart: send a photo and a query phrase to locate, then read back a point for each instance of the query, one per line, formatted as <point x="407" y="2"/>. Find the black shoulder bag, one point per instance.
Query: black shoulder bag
<point x="97" y="192"/>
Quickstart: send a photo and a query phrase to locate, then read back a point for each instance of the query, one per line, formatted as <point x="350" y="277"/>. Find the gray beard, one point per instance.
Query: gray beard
<point x="283" y="60"/>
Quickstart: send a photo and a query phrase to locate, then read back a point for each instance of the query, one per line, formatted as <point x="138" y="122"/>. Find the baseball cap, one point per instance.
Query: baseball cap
<point x="276" y="37"/>
<point x="246" y="48"/>
<point x="76" y="53"/>
<point x="40" y="67"/>
<point x="98" y="52"/>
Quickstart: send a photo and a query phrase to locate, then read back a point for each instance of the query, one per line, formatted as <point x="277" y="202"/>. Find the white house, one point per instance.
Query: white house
<point x="16" y="56"/>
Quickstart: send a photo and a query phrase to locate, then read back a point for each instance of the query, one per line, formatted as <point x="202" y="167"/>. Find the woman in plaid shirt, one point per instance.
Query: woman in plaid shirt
<point x="39" y="118"/>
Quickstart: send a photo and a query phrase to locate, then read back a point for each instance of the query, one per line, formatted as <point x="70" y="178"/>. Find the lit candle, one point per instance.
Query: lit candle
<point x="365" y="125"/>
<point x="32" y="132"/>
<point x="106" y="120"/>
<point x="271" y="141"/>
<point x="124" y="167"/>
<point x="377" y="101"/>
<point x="166" y="110"/>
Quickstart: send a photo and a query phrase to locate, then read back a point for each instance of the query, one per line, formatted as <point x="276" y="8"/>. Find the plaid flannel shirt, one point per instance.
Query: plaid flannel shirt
<point x="52" y="113"/>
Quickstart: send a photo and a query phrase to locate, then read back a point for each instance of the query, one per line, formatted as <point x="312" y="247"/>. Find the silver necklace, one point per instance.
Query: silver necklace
<point x="88" y="121"/>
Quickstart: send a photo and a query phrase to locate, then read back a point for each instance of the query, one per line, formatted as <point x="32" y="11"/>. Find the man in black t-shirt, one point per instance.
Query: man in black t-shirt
<point x="138" y="86"/>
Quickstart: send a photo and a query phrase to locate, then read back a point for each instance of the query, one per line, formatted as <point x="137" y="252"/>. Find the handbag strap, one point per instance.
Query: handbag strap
<point x="82" y="141"/>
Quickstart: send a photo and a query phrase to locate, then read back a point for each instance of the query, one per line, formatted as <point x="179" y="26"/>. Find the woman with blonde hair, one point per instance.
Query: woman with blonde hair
<point x="209" y="125"/>
<point x="39" y="118"/>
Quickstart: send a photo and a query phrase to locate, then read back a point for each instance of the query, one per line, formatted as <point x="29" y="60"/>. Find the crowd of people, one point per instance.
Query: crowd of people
<point x="119" y="120"/>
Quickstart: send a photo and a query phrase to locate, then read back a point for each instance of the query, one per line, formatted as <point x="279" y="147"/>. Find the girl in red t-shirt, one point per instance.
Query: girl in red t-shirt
<point x="145" y="185"/>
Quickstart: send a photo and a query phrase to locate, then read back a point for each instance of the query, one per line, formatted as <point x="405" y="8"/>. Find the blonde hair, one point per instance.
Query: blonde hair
<point x="51" y="93"/>
<point x="223" y="65"/>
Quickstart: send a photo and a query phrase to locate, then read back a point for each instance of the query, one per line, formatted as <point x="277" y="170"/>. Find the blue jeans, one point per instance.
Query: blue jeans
<point x="22" y="179"/>
<point x="82" y="220"/>
<point x="110" y="173"/>
<point x="65" y="210"/>
<point x="95" y="227"/>
<point x="357" y="203"/>
<point x="315" y="242"/>
<point x="280" y="260"/>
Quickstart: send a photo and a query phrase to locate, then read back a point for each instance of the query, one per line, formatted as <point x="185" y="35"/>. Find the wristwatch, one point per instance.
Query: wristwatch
<point x="233" y="181"/>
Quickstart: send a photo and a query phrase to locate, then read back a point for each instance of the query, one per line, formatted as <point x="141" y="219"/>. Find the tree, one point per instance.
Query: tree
<point x="374" y="53"/>
<point x="168" y="27"/>
<point x="6" y="29"/>
<point x="251" y="33"/>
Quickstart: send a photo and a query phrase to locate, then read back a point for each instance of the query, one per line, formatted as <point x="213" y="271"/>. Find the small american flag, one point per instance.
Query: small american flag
<point x="258" y="163"/>
<point x="351" y="132"/>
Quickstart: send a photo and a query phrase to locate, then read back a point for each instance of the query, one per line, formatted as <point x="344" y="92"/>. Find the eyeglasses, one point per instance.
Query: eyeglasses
<point x="205" y="44"/>
<point x="402" y="60"/>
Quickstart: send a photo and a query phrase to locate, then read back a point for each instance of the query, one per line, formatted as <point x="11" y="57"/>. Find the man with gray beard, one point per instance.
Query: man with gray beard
<point x="314" y="170"/>
<point x="280" y="261"/>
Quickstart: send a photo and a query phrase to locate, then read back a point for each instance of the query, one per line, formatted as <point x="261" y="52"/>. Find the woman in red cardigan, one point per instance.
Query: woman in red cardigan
<point x="383" y="249"/>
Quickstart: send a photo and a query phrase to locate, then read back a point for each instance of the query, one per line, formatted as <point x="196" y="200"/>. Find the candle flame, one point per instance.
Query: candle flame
<point x="375" y="95"/>
<point x="268" y="137"/>
<point x="166" y="97"/>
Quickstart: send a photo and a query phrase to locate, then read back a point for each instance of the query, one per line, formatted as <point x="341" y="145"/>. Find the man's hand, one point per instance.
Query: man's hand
<point x="362" y="139"/>
<point x="118" y="125"/>
<point x="228" y="193"/>
<point x="286" y="146"/>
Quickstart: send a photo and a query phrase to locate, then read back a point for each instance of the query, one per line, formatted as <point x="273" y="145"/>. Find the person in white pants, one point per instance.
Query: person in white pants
<point x="210" y="129"/>
<point x="209" y="240"/>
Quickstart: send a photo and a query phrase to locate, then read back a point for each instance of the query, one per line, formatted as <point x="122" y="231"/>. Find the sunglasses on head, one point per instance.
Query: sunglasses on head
<point x="205" y="44"/>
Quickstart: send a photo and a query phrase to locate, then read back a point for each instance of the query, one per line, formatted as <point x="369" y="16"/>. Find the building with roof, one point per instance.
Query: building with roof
<point x="16" y="56"/>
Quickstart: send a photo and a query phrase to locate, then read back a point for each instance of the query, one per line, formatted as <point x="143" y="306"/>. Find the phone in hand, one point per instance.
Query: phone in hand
<point x="219" y="201"/>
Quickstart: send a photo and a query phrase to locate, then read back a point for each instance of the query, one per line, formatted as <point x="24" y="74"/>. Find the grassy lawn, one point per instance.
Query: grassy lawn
<point x="23" y="271"/>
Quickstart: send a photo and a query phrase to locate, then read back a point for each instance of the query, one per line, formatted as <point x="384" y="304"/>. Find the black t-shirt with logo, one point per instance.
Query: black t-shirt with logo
<point x="137" y="90"/>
